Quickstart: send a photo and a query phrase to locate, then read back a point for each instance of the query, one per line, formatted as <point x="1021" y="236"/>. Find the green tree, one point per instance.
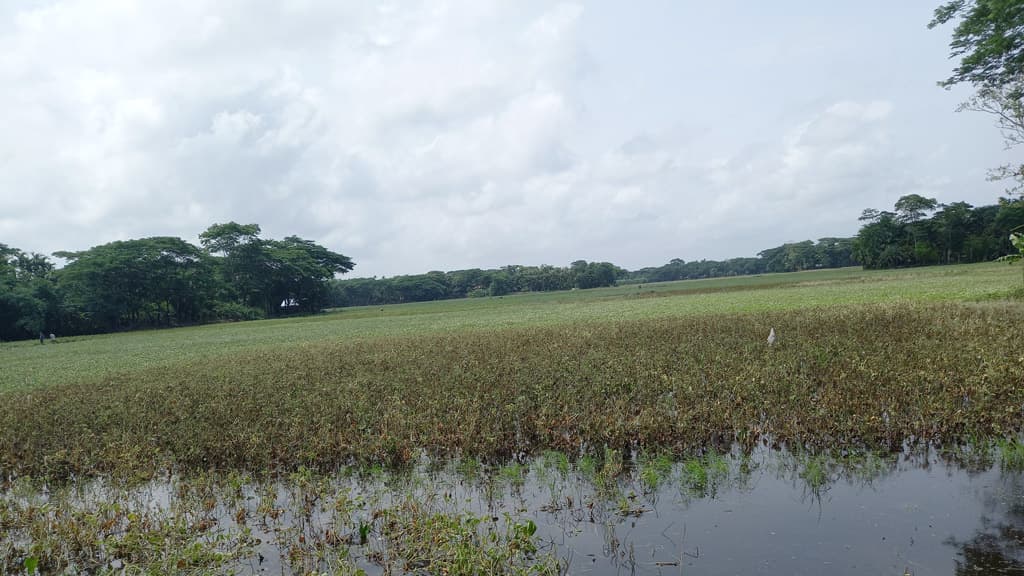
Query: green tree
<point x="265" y="274"/>
<point x="913" y="207"/>
<point x="989" y="41"/>
<point x="243" y="265"/>
<point x="419" y="288"/>
<point x="501" y="284"/>
<point x="26" y="294"/>
<point x="299" y="271"/>
<point x="834" y="252"/>
<point x="156" y="281"/>
<point x="878" y="245"/>
<point x="464" y="282"/>
<point x="954" y="224"/>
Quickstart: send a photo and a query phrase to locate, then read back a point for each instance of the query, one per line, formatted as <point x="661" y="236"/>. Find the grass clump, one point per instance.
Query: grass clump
<point x="463" y="544"/>
<point x="654" y="469"/>
<point x="1011" y="455"/>
<point x="701" y="476"/>
<point x="815" y="472"/>
<point x="553" y="460"/>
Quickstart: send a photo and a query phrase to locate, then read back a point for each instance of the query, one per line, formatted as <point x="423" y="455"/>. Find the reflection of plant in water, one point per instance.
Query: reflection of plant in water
<point x="815" y="472"/>
<point x="998" y="546"/>
<point x="818" y="471"/>
<point x="92" y="531"/>
<point x="973" y="455"/>
<point x="461" y="543"/>
<point x="310" y="521"/>
<point x="993" y="550"/>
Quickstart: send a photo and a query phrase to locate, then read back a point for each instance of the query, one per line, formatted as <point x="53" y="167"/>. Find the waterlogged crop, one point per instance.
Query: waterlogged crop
<point x="635" y="391"/>
<point x="868" y="376"/>
<point x="873" y="376"/>
<point x="428" y="520"/>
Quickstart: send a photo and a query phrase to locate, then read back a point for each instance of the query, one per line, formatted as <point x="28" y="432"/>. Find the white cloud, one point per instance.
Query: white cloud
<point x="432" y="135"/>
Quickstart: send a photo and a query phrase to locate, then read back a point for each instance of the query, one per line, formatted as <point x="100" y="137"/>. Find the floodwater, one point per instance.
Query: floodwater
<point x="903" y="515"/>
<point x="770" y="512"/>
<point x="919" y="521"/>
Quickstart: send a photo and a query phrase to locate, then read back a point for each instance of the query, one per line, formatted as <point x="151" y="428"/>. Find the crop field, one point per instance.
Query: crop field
<point x="865" y="362"/>
<point x="28" y="365"/>
<point x="863" y="358"/>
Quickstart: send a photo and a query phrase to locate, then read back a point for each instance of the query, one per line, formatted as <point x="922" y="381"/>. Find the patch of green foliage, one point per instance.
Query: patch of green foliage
<point x="1011" y="454"/>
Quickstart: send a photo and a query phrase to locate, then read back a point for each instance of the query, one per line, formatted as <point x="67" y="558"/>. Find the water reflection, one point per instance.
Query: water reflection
<point x="998" y="545"/>
<point x="766" y="512"/>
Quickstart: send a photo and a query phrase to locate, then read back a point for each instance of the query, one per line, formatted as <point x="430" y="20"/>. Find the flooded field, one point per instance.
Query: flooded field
<point x="632" y="433"/>
<point x="767" y="512"/>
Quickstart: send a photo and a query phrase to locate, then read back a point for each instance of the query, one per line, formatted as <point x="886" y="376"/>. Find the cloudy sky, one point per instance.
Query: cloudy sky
<point x="437" y="135"/>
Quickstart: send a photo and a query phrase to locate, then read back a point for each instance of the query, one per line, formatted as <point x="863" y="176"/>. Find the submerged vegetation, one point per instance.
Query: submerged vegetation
<point x="430" y="519"/>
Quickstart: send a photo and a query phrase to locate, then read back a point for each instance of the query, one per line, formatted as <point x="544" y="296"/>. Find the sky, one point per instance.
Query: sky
<point x="444" y="135"/>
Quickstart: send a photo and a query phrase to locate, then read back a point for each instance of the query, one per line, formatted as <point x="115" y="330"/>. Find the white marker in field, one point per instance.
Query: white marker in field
<point x="771" y="336"/>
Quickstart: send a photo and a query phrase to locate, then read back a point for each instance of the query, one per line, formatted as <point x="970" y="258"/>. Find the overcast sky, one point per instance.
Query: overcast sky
<point x="416" y="136"/>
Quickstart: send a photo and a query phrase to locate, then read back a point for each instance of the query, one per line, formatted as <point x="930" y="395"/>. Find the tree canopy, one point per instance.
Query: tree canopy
<point x="156" y="281"/>
<point x="989" y="41"/>
<point x="955" y="233"/>
<point x="262" y="274"/>
<point x="165" y="281"/>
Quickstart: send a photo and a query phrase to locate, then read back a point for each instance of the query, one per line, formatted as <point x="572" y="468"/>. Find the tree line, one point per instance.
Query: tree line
<point x="956" y="233"/>
<point x="234" y="274"/>
<point x="164" y="281"/>
<point x="473" y="283"/>
<point x="790" y="257"/>
<point x="920" y="232"/>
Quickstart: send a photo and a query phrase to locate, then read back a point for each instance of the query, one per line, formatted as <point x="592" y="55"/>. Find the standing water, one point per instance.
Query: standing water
<point x="769" y="512"/>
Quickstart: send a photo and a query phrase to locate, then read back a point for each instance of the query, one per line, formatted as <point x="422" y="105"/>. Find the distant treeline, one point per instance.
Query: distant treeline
<point x="922" y="232"/>
<point x="826" y="253"/>
<point x="236" y="275"/>
<point x="164" y="281"/>
<point x="957" y="233"/>
<point x="790" y="257"/>
<point x="473" y="283"/>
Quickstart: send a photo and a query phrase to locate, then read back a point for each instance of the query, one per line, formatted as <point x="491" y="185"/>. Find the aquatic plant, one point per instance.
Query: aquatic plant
<point x="1011" y="455"/>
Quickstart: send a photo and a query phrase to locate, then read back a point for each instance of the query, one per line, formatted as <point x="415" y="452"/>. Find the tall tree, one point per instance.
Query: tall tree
<point x="242" y="264"/>
<point x="264" y="274"/>
<point x="989" y="41"/>
<point x="913" y="207"/>
<point x="155" y="281"/>
<point x="28" y="302"/>
<point x="299" y="272"/>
